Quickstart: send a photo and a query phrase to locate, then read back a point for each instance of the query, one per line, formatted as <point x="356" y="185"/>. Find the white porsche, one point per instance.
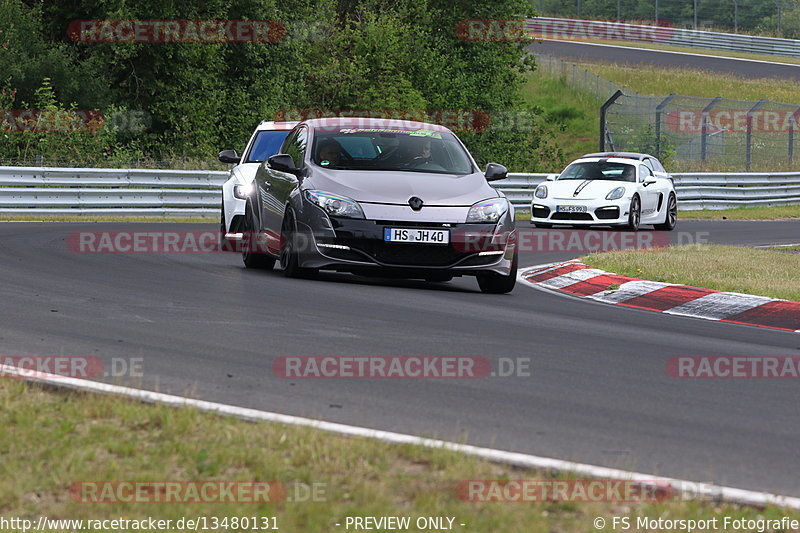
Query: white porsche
<point x="608" y="189"/>
<point x="266" y="141"/>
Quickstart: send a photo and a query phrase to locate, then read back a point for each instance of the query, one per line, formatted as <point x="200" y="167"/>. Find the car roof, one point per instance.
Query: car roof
<point x="270" y="125"/>
<point x="624" y="155"/>
<point x="593" y="159"/>
<point x="373" y="123"/>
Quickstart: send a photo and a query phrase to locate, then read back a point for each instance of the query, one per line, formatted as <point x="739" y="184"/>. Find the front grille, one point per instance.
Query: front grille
<point x="393" y="253"/>
<point x="571" y="216"/>
<point x="607" y="213"/>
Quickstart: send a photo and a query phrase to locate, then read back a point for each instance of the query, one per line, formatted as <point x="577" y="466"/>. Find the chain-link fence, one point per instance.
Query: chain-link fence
<point x="739" y="133"/>
<point x="578" y="77"/>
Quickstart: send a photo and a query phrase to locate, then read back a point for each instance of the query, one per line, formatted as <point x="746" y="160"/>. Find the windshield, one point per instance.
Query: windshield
<point x="267" y="143"/>
<point x="600" y="170"/>
<point x="389" y="149"/>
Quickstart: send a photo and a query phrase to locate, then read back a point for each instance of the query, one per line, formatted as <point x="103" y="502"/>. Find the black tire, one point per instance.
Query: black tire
<point x="493" y="283"/>
<point x="634" y="214"/>
<point x="671" y="215"/>
<point x="290" y="260"/>
<point x="540" y="225"/>
<point x="254" y="252"/>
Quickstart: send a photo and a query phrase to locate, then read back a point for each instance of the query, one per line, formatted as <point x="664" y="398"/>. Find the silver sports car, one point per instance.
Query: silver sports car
<point x="380" y="197"/>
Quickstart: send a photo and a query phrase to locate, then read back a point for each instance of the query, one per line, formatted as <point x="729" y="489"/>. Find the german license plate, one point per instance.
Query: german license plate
<point x="418" y="236"/>
<point x="570" y="208"/>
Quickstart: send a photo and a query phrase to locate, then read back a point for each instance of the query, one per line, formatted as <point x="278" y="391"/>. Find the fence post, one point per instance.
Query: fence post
<point x="704" y="128"/>
<point x="659" y="110"/>
<point x="749" y="141"/>
<point x="603" y="109"/>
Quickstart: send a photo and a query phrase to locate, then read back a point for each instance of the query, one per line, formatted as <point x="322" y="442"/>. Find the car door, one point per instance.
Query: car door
<point x="649" y="191"/>
<point x="281" y="184"/>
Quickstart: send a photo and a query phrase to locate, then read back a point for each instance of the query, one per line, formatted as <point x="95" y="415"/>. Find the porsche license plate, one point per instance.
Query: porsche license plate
<point x="570" y="208"/>
<point x="418" y="236"/>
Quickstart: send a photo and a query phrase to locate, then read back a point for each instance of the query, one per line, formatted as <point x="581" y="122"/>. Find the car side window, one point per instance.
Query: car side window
<point x="649" y="163"/>
<point x="295" y="146"/>
<point x="644" y="173"/>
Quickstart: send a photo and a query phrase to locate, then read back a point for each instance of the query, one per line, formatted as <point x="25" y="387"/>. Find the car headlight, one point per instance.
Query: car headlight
<point x="616" y="194"/>
<point x="487" y="210"/>
<point x="333" y="204"/>
<point x="242" y="191"/>
<point x="541" y="191"/>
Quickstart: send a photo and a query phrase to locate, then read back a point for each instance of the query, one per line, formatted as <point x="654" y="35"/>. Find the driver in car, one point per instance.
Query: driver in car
<point x="422" y="154"/>
<point x="330" y="153"/>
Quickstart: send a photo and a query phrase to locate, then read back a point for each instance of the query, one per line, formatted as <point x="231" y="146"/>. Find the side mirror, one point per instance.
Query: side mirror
<point x="495" y="172"/>
<point x="551" y="177"/>
<point x="282" y="163"/>
<point x="229" y="156"/>
<point x="649" y="180"/>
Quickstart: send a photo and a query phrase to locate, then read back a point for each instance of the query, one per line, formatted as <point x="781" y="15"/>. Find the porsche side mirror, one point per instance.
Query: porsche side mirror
<point x="552" y="177"/>
<point x="495" y="172"/>
<point x="229" y="156"/>
<point x="649" y="180"/>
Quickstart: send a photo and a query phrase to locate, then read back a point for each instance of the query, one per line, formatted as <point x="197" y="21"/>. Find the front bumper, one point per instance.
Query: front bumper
<point x="354" y="245"/>
<point x="598" y="211"/>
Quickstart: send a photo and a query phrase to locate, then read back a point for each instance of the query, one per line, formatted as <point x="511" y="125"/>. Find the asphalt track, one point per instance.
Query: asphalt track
<point x="638" y="56"/>
<point x="598" y="392"/>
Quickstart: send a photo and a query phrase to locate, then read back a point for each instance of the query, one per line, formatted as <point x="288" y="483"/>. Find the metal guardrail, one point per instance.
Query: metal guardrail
<point x="193" y="193"/>
<point x="558" y="28"/>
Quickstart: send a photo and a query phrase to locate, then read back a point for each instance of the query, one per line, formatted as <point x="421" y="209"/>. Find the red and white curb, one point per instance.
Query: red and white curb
<point x="575" y="278"/>
<point x="688" y="490"/>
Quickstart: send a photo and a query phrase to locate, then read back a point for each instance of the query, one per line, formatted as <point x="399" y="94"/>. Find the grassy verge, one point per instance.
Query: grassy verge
<point x="745" y="213"/>
<point x="699" y="51"/>
<point x="87" y="218"/>
<point x="58" y="438"/>
<point x="572" y="114"/>
<point x="690" y="82"/>
<point x="725" y="268"/>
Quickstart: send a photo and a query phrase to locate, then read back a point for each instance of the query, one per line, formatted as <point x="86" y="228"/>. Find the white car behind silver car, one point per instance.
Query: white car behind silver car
<point x="614" y="189"/>
<point x="266" y="141"/>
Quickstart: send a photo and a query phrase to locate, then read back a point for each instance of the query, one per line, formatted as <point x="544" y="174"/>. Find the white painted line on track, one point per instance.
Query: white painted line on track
<point x="686" y="488"/>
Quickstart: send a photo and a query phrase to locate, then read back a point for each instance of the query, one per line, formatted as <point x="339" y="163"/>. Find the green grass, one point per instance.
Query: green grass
<point x="57" y="438"/>
<point x="725" y="268"/>
<point x="690" y="82"/>
<point x="790" y="248"/>
<point x="745" y="213"/>
<point x="570" y="113"/>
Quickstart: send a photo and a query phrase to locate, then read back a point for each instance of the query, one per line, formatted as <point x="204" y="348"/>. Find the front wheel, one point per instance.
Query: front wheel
<point x="634" y="214"/>
<point x="290" y="255"/>
<point x="671" y="216"/>
<point x="254" y="250"/>
<point x="494" y="283"/>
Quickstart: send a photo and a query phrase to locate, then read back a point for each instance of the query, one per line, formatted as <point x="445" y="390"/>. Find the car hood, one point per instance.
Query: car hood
<point x="585" y="189"/>
<point x="397" y="187"/>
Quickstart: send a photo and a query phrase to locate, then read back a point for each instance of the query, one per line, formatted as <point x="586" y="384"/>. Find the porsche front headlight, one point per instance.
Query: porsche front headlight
<point x="541" y="191"/>
<point x="616" y="194"/>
